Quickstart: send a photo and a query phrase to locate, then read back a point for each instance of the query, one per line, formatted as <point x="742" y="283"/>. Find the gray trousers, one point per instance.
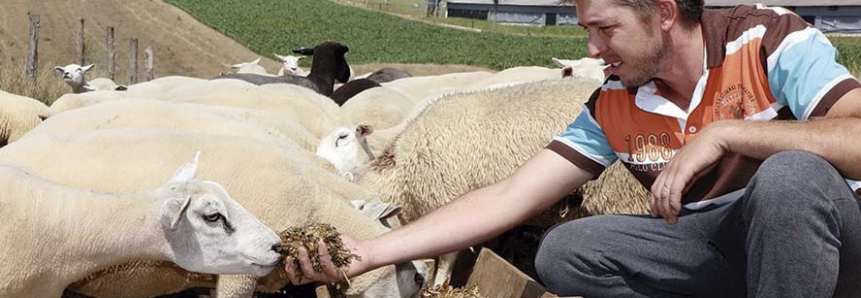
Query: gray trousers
<point x="795" y="231"/>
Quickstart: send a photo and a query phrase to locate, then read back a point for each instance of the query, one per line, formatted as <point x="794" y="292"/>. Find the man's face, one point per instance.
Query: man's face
<point x="634" y="49"/>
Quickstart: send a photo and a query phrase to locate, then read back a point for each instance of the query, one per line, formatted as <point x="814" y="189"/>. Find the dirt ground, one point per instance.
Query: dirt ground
<point x="182" y="46"/>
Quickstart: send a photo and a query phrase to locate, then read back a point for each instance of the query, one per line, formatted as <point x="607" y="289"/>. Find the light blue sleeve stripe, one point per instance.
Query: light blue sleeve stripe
<point x="589" y="137"/>
<point x="804" y="73"/>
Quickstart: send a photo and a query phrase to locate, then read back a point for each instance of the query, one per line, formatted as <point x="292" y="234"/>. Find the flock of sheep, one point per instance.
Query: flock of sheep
<point x="105" y="202"/>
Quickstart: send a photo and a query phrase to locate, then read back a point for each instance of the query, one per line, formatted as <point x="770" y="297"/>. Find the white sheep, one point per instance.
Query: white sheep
<point x="515" y="75"/>
<point x="18" y="115"/>
<point x="379" y="107"/>
<point x="424" y="88"/>
<point x="281" y="187"/>
<point x="463" y="141"/>
<point x="180" y="117"/>
<point x="72" y="101"/>
<point x="317" y="113"/>
<point x="57" y="235"/>
<point x="75" y="76"/>
<point x="341" y="148"/>
<point x="290" y="66"/>
<point x="250" y="67"/>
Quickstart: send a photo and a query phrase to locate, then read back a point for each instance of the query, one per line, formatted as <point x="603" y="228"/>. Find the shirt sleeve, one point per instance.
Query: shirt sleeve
<point x="584" y="143"/>
<point x="803" y="72"/>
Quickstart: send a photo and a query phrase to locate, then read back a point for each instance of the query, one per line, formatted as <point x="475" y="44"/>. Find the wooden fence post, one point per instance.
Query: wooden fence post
<point x="133" y="61"/>
<point x="112" y="55"/>
<point x="33" y="53"/>
<point x="79" y="44"/>
<point x="149" y="75"/>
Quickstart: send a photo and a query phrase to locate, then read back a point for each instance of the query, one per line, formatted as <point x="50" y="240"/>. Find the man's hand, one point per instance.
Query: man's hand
<point x="330" y="273"/>
<point x="694" y="159"/>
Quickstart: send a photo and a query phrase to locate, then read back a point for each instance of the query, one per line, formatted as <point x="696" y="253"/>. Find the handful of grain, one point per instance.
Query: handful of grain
<point x="309" y="237"/>
<point x="445" y="291"/>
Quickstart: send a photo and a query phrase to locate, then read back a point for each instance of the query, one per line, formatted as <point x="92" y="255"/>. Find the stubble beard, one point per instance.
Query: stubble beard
<point x="646" y="67"/>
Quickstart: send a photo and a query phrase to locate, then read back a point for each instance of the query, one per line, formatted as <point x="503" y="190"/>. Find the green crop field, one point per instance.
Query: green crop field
<point x="273" y="26"/>
<point x="276" y="26"/>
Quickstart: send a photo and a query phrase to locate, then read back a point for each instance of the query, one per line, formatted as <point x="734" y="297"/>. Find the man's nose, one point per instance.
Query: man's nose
<point x="595" y="47"/>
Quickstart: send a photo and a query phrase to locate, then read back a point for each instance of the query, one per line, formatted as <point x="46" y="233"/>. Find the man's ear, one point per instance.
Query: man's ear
<point x="187" y="171"/>
<point x="668" y="13"/>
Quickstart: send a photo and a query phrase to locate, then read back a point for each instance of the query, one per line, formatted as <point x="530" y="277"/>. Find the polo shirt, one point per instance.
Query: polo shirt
<point x="761" y="63"/>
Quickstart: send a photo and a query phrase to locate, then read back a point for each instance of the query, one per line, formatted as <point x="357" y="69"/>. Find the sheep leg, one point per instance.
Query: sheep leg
<point x="444" y="268"/>
<point x="235" y="286"/>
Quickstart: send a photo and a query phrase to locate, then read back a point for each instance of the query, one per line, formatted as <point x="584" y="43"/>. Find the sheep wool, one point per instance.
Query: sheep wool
<point x="468" y="140"/>
<point x="281" y="189"/>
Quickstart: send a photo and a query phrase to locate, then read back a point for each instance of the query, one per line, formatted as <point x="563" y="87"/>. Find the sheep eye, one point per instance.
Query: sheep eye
<point x="212" y="217"/>
<point x="342" y="136"/>
<point x="419" y="279"/>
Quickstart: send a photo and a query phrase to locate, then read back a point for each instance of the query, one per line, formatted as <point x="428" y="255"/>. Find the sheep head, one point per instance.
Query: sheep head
<point x="208" y="232"/>
<point x="341" y="148"/>
<point x="73" y="75"/>
<point x="291" y="65"/>
<point x="329" y="49"/>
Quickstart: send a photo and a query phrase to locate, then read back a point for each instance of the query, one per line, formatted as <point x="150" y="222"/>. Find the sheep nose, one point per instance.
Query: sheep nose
<point x="276" y="247"/>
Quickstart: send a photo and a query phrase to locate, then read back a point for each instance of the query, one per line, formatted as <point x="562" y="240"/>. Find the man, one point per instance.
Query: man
<point x="767" y="210"/>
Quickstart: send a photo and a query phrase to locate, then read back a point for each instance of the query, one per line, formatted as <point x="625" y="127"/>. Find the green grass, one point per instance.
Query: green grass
<point x="277" y="26"/>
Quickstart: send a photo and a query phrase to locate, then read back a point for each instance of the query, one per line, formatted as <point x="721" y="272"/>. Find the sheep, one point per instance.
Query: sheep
<point x="252" y="67"/>
<point x="271" y="182"/>
<point x="145" y="113"/>
<point x="425" y="88"/>
<point x="584" y="67"/>
<point x="59" y="235"/>
<point x="379" y="107"/>
<point x="18" y="115"/>
<point x="467" y="140"/>
<point x="316" y="113"/>
<point x="387" y="74"/>
<point x="75" y="76"/>
<point x="473" y="139"/>
<point x="72" y="101"/>
<point x="515" y="75"/>
<point x="155" y="89"/>
<point x="290" y="66"/>
<point x="328" y="66"/>
<point x="350" y="89"/>
<point x="341" y="149"/>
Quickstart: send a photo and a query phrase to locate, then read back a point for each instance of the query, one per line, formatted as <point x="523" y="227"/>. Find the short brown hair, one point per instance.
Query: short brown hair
<point x="691" y="10"/>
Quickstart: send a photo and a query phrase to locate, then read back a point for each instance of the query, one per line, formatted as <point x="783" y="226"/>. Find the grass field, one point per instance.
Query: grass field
<point x="272" y="26"/>
<point x="275" y="26"/>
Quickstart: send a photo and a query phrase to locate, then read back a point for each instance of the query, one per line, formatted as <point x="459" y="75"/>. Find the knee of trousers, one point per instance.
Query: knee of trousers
<point x="792" y="181"/>
<point x="568" y="251"/>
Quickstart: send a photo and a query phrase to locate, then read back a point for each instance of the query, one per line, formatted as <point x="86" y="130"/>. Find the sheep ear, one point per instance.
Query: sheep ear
<point x="236" y="65"/>
<point x="255" y="61"/>
<point x="282" y="58"/>
<point x="558" y="62"/>
<point x="567" y="71"/>
<point x="187" y="171"/>
<point x="88" y="67"/>
<point x="377" y="210"/>
<point x="304" y="51"/>
<point x="364" y="130"/>
<point x="58" y="69"/>
<point x="176" y="217"/>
